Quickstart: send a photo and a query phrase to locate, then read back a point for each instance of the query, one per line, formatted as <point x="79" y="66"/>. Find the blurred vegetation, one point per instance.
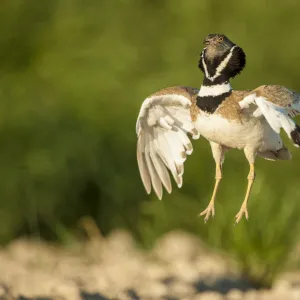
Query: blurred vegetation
<point x="73" y="76"/>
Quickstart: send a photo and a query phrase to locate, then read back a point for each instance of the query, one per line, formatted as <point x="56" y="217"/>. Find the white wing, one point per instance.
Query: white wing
<point x="162" y="127"/>
<point x="277" y="116"/>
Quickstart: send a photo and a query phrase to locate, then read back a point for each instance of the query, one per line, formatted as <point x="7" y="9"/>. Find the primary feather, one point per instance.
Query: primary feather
<point x="163" y="125"/>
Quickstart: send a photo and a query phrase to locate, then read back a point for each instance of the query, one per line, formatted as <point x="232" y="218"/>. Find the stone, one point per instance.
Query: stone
<point x="209" y="296"/>
<point x="152" y="290"/>
<point x="234" y="294"/>
<point x="177" y="245"/>
<point x="181" y="289"/>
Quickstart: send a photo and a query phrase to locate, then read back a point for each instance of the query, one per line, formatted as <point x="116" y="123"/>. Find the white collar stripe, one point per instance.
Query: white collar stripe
<point x="204" y="64"/>
<point x="214" y="90"/>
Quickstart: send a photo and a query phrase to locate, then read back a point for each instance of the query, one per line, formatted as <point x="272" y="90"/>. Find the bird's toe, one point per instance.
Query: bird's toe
<point x="209" y="211"/>
<point x="238" y="217"/>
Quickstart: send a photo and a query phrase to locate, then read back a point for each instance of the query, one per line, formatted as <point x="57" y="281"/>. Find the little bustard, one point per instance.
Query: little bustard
<point x="249" y="120"/>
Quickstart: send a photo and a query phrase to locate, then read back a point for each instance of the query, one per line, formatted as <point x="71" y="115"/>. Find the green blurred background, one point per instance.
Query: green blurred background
<point x="73" y="75"/>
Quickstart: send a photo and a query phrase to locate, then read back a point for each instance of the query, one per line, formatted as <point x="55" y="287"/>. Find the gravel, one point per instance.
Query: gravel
<point x="178" y="267"/>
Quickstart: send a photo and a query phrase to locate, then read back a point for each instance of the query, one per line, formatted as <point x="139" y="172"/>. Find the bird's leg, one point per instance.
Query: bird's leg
<point x="218" y="154"/>
<point x="210" y="210"/>
<point x="251" y="177"/>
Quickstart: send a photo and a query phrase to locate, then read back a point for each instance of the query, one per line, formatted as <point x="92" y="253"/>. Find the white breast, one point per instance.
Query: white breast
<point x="238" y="134"/>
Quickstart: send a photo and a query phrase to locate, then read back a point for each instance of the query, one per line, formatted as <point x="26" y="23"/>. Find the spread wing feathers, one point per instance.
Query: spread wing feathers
<point x="277" y="116"/>
<point x="163" y="125"/>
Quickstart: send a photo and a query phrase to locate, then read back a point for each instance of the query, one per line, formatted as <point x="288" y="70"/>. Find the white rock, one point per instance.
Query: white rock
<point x="213" y="264"/>
<point x="155" y="271"/>
<point x="181" y="289"/>
<point x="267" y="295"/>
<point x="281" y="285"/>
<point x="208" y="296"/>
<point x="184" y="270"/>
<point x="177" y="245"/>
<point x="152" y="290"/>
<point x="251" y="295"/>
<point x="295" y="293"/>
<point x="121" y="243"/>
<point x="235" y="294"/>
<point x="67" y="292"/>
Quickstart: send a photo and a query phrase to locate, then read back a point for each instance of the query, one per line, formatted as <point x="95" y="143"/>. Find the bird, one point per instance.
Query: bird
<point x="248" y="120"/>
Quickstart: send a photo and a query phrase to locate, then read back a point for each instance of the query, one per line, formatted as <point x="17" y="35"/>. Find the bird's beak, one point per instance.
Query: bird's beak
<point x="206" y="41"/>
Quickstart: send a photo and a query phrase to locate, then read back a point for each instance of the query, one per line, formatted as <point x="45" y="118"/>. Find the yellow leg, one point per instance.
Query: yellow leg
<point x="243" y="209"/>
<point x="210" y="210"/>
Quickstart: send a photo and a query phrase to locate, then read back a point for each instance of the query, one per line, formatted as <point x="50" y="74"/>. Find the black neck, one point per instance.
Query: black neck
<point x="222" y="67"/>
<point x="217" y="74"/>
<point x="213" y="92"/>
<point x="220" y="80"/>
<point x="210" y="102"/>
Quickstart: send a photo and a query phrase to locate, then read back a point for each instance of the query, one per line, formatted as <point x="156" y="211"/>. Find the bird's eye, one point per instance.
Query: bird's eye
<point x="220" y="39"/>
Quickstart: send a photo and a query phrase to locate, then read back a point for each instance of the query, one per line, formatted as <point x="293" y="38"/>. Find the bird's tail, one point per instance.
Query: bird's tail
<point x="295" y="135"/>
<point x="281" y="154"/>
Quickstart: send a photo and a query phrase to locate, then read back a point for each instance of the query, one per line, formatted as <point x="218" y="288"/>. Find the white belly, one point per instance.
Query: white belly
<point x="251" y="132"/>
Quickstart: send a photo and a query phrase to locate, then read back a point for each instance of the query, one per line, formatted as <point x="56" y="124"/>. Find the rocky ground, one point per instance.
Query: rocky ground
<point x="178" y="267"/>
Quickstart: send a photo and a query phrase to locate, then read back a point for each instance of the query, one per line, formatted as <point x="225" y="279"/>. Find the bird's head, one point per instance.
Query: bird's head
<point x="218" y="43"/>
<point x="221" y="59"/>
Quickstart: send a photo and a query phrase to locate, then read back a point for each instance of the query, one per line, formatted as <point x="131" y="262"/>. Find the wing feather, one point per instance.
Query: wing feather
<point x="277" y="116"/>
<point x="156" y="183"/>
<point x="166" y="155"/>
<point x="144" y="172"/>
<point x="177" y="150"/>
<point x="163" y="125"/>
<point x="160" y="168"/>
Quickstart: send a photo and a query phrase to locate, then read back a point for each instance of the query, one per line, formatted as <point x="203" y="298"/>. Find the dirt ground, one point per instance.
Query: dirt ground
<point x="178" y="267"/>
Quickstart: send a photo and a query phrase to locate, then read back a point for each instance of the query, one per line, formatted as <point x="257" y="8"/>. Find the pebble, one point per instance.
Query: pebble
<point x="209" y="296"/>
<point x="152" y="290"/>
<point x="234" y="294"/>
<point x="177" y="245"/>
<point x="251" y="295"/>
<point x="114" y="268"/>
<point x="181" y="289"/>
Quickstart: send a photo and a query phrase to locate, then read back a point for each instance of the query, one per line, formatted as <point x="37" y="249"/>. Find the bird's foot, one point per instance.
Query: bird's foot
<point x="243" y="211"/>
<point x="209" y="211"/>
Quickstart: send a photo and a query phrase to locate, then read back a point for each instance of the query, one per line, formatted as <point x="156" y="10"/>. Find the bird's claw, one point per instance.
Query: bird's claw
<point x="243" y="211"/>
<point x="209" y="211"/>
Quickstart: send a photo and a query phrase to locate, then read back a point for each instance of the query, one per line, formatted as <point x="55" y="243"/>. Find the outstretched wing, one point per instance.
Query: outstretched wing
<point x="163" y="125"/>
<point x="277" y="104"/>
